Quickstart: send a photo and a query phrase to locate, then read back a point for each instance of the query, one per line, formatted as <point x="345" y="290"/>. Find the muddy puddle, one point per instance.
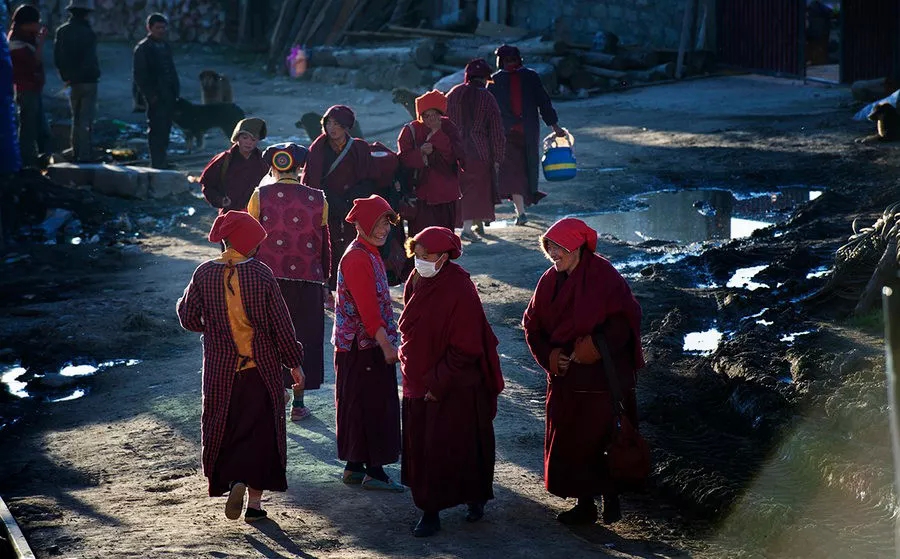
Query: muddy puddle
<point x="22" y="387"/>
<point x="694" y="216"/>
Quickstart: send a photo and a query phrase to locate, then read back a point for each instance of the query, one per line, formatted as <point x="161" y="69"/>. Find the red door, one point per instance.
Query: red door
<point x="762" y="35"/>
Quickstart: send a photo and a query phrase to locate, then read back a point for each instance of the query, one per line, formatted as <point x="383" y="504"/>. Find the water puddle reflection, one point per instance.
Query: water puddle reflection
<point x="15" y="387"/>
<point x="703" y="343"/>
<point x="743" y="278"/>
<point x="690" y="216"/>
<point x="791" y="338"/>
<point x="73" y="396"/>
<point x="17" y="381"/>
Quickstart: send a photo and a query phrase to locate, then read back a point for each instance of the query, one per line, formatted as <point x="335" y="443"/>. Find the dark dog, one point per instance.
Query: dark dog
<point x="215" y="88"/>
<point x="196" y="120"/>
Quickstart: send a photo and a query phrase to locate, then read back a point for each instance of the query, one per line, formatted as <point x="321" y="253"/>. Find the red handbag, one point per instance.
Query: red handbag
<point x="627" y="456"/>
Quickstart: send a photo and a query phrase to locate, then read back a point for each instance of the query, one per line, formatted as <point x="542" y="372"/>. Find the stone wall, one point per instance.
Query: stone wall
<point x="646" y="23"/>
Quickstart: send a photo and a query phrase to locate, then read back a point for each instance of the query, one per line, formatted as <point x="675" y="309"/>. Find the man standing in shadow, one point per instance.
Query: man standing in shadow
<point x="157" y="80"/>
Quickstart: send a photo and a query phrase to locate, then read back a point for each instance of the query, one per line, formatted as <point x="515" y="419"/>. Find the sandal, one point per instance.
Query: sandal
<point x="235" y="503"/>
<point x="252" y="515"/>
<point x="377" y="485"/>
<point x="353" y="478"/>
<point x="299" y="414"/>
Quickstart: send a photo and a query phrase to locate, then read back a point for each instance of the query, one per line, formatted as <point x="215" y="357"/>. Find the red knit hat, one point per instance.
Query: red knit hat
<point x="434" y="99"/>
<point x="571" y="233"/>
<point x="366" y="212"/>
<point x="341" y="114"/>
<point x="240" y="229"/>
<point x="436" y="240"/>
<point x="477" y="68"/>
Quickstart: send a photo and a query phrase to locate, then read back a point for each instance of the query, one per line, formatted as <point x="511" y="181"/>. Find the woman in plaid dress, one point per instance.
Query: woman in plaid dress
<point x="235" y="302"/>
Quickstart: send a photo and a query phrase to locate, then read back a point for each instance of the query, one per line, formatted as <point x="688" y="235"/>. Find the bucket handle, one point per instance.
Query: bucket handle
<point x="551" y="140"/>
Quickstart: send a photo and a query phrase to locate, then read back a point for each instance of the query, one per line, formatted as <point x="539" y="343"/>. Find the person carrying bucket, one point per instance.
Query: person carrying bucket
<point x="521" y="96"/>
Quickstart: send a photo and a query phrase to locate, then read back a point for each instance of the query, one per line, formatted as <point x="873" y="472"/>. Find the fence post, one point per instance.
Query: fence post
<point x="891" y="311"/>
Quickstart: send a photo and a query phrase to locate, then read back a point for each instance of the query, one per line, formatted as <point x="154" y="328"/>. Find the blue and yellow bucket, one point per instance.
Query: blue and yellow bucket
<point x="558" y="161"/>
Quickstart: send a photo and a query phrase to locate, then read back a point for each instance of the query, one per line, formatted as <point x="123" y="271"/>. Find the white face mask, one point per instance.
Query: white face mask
<point x="425" y="268"/>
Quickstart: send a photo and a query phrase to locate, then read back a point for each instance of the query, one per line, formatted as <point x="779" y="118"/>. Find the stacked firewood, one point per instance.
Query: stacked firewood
<point x="200" y="21"/>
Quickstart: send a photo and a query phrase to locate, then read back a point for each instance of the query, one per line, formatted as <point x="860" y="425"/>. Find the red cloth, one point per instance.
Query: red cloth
<point x="203" y="309"/>
<point x="28" y="69"/>
<point x="477" y="68"/>
<point x="238" y="181"/>
<point x="515" y="100"/>
<point x="367" y="211"/>
<point x="438" y="181"/>
<point x="571" y="233"/>
<point x="476" y="114"/>
<point x="306" y="304"/>
<point x="595" y="298"/>
<point x="446" y="336"/>
<point x="367" y="409"/>
<point x="434" y="99"/>
<point x="342" y="114"/>
<point x="439" y="240"/>
<point x="478" y="197"/>
<point x="359" y="278"/>
<point x="240" y="229"/>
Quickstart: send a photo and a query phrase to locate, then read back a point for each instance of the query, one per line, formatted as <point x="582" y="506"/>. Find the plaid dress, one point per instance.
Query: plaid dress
<point x="203" y="309"/>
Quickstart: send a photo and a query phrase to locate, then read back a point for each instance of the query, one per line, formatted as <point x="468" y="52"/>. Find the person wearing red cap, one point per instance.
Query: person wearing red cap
<point x="580" y="304"/>
<point x="521" y="95"/>
<point x="431" y="151"/>
<point x="298" y="251"/>
<point x="365" y="352"/>
<point x="475" y="112"/>
<point x="340" y="166"/>
<point x="451" y="381"/>
<point x="231" y="176"/>
<point x="234" y="301"/>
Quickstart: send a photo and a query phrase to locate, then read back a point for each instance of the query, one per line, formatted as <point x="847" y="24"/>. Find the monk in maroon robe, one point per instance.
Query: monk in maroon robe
<point x="451" y="380"/>
<point x="229" y="179"/>
<point x="235" y="303"/>
<point x="365" y="352"/>
<point x="340" y="166"/>
<point x="432" y="151"/>
<point x="579" y="303"/>
<point x="475" y="112"/>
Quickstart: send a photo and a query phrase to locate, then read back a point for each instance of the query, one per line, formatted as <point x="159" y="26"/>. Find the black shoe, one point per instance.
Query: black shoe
<point x="521" y="219"/>
<point x="612" y="510"/>
<point x="428" y="526"/>
<point x="252" y="515"/>
<point x="476" y="512"/>
<point x="579" y="514"/>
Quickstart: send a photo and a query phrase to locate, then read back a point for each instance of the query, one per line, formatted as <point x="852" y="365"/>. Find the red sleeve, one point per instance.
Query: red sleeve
<point x="410" y="156"/>
<point x="459" y="366"/>
<point x="190" y="308"/>
<point x="359" y="279"/>
<point x="211" y="181"/>
<point x="538" y="341"/>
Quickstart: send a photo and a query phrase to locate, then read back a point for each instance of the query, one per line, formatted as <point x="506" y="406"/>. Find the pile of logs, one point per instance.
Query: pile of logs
<point x="427" y="56"/>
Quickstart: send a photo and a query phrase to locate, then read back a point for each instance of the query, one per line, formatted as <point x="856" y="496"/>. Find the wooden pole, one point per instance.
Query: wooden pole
<point x="686" y="25"/>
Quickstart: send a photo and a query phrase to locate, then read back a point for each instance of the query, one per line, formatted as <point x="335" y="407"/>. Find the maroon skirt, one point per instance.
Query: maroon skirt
<point x="367" y="407"/>
<point x="436" y="215"/>
<point x="477" y="201"/>
<point x="249" y="452"/>
<point x="306" y="304"/>
<point x="514" y="169"/>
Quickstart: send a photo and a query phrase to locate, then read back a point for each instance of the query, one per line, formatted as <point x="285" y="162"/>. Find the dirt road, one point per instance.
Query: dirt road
<point x="116" y="473"/>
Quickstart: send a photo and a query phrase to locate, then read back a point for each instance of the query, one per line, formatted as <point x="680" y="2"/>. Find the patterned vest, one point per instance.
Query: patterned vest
<point x="291" y="213"/>
<point x="347" y="322"/>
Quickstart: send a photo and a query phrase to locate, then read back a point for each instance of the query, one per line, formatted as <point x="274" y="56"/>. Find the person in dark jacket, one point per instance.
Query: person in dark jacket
<point x="157" y="80"/>
<point x="520" y="96"/>
<point x="26" y="45"/>
<point x="75" y="56"/>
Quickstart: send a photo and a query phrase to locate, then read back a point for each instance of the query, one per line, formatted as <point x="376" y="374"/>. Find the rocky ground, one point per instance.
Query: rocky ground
<point x="773" y="442"/>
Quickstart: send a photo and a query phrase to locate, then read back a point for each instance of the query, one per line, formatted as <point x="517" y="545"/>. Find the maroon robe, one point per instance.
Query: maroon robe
<point x="594" y="298"/>
<point x="352" y="178"/>
<point x="475" y="112"/>
<point x="237" y="181"/>
<point x="450" y="350"/>
<point x="203" y="309"/>
<point x="437" y="186"/>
